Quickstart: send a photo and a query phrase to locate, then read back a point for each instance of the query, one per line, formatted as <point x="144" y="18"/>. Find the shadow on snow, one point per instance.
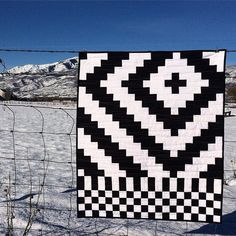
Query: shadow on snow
<point x="227" y="227"/>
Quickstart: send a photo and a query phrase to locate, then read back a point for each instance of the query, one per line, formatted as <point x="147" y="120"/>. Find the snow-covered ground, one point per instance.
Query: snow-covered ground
<point x="43" y="141"/>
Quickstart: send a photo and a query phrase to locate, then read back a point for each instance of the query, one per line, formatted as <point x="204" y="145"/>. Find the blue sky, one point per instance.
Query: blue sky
<point x="114" y="25"/>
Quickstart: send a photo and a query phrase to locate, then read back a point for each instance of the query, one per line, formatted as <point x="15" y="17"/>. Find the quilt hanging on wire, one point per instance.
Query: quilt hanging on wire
<point x="150" y="132"/>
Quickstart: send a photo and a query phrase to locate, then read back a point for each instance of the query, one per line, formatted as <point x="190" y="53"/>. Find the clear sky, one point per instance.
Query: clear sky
<point x="114" y="25"/>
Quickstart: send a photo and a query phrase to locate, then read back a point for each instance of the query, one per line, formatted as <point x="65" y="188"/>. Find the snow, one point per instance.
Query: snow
<point x="58" y="202"/>
<point x="231" y="182"/>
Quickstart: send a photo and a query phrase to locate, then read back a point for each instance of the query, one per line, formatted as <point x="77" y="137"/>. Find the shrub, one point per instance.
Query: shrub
<point x="231" y="93"/>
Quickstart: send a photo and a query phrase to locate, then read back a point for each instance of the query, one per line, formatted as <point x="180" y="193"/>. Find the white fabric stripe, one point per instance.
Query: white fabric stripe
<point x="173" y="184"/>
<point x="119" y="135"/>
<point x="202" y="185"/>
<point x="144" y="183"/>
<point x="101" y="183"/>
<point x="115" y="182"/>
<point x="87" y="182"/>
<point x="217" y="186"/>
<point x="98" y="155"/>
<point x="201" y="163"/>
<point x="87" y="65"/>
<point x="188" y="185"/>
<point x="216" y="58"/>
<point x="130" y="183"/>
<point x="148" y="121"/>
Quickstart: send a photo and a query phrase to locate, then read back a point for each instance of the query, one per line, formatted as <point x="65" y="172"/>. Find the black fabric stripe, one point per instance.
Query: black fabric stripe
<point x="80" y="183"/>
<point x="111" y="149"/>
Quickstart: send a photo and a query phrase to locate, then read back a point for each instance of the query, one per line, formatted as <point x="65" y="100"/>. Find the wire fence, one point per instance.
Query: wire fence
<point x="52" y="164"/>
<point x="38" y="176"/>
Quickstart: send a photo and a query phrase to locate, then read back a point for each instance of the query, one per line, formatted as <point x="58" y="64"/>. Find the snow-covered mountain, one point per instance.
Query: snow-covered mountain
<point x="61" y="66"/>
<point x="231" y="74"/>
<point x="57" y="80"/>
<point x="42" y="82"/>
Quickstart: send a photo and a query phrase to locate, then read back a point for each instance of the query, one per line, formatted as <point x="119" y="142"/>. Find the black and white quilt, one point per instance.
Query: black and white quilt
<point x="150" y="130"/>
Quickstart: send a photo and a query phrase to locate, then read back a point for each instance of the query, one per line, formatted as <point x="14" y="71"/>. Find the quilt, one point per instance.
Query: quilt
<point x="150" y="131"/>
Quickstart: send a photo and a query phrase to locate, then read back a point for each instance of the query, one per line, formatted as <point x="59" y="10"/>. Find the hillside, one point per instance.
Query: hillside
<point x="42" y="82"/>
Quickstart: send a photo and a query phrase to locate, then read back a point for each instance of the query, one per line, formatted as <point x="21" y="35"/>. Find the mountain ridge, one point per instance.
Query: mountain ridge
<point x="51" y="81"/>
<point x="67" y="64"/>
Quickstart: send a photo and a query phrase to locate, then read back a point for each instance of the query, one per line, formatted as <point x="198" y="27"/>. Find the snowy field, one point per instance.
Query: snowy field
<point x="37" y="143"/>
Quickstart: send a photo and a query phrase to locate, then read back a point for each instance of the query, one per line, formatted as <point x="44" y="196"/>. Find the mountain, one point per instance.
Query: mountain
<point x="230" y="74"/>
<point x="57" y="80"/>
<point x="61" y="66"/>
<point x="42" y="82"/>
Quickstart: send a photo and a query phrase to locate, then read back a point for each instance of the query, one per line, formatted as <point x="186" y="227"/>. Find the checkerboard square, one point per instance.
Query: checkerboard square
<point x="137" y="194"/>
<point x="202" y="203"/>
<point x="173" y="216"/>
<point x="115" y="200"/>
<point x="109" y="207"/>
<point x="151" y="208"/>
<point x="180" y="195"/>
<point x="195" y="210"/>
<point x="187" y="216"/>
<point x="217" y="204"/>
<point x="173" y="202"/>
<point x="202" y="217"/>
<point x="80" y="172"/>
<point x="180" y="209"/>
<point x="217" y="218"/>
<point x="116" y="207"/>
<point x="209" y="211"/>
<point x="144" y="201"/>
<point x="137" y="208"/>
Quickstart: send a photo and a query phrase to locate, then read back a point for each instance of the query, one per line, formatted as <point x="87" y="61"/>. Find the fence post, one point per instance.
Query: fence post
<point x="186" y="231"/>
<point x="156" y="229"/>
